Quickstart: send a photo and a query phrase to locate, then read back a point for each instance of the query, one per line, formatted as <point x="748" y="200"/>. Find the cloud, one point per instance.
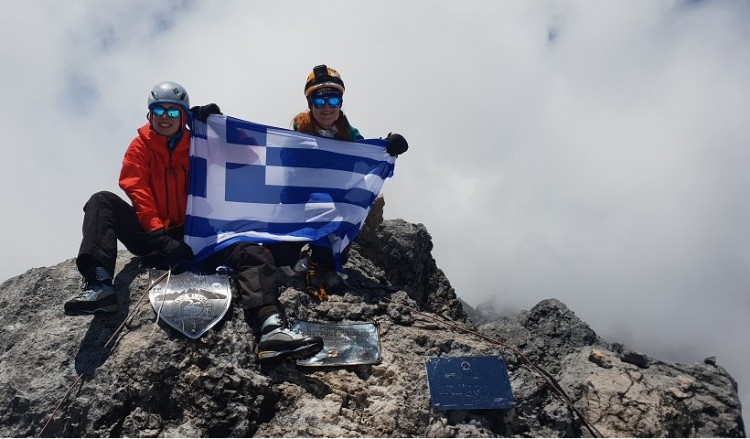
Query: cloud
<point x="593" y="152"/>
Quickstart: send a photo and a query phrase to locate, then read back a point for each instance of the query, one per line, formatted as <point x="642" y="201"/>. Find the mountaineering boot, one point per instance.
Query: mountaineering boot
<point x="98" y="295"/>
<point x="279" y="343"/>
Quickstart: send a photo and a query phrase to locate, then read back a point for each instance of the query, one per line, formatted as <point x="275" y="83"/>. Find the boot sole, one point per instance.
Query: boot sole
<point x="300" y="353"/>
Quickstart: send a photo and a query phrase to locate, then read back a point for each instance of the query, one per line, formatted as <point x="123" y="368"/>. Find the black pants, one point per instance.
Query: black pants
<point x="107" y="219"/>
<point x="256" y="273"/>
<point x="287" y="253"/>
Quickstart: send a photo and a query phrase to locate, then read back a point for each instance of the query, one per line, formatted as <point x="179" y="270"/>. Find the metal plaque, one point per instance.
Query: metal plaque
<point x="469" y="383"/>
<point x="343" y="344"/>
<point x="192" y="303"/>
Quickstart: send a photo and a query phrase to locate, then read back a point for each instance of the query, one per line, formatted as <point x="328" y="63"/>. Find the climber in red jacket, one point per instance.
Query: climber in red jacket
<point x="155" y="175"/>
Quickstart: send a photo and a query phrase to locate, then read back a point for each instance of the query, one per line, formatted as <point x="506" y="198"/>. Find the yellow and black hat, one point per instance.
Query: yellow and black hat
<point x="323" y="77"/>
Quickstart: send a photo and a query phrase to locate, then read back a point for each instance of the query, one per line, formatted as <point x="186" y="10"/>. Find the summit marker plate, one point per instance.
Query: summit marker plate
<point x="343" y="344"/>
<point x="469" y="383"/>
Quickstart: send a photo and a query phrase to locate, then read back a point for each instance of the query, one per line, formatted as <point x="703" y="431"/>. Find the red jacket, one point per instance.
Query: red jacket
<point x="156" y="179"/>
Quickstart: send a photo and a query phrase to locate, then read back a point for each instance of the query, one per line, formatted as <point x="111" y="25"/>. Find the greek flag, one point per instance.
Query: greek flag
<point x="255" y="183"/>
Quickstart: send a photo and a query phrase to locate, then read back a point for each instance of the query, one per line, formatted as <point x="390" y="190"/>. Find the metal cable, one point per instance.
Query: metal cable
<point x="111" y="339"/>
<point x="557" y="390"/>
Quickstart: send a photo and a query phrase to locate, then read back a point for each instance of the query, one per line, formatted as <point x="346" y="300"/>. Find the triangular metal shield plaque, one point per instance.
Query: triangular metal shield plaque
<point x="192" y="303"/>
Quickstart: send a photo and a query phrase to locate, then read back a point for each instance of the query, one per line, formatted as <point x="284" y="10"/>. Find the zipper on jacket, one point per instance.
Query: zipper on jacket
<point x="166" y="190"/>
<point x="169" y="173"/>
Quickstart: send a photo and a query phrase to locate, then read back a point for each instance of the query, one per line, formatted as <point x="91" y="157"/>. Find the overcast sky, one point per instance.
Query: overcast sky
<point x="595" y="152"/>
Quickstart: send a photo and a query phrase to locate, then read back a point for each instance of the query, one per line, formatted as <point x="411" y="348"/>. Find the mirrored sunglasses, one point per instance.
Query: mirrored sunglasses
<point x="159" y="111"/>
<point x="333" y="102"/>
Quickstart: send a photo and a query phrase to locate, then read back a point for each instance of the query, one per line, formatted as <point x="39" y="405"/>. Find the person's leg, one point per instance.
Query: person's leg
<point x="285" y="253"/>
<point x="106" y="218"/>
<point x="256" y="273"/>
<point x="256" y="281"/>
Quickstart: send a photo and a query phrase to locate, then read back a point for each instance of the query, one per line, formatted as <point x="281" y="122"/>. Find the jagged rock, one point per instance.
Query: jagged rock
<point x="488" y="311"/>
<point x="636" y="358"/>
<point x="665" y="400"/>
<point x="402" y="252"/>
<point x="373" y="221"/>
<point x="600" y="359"/>
<point x="156" y="383"/>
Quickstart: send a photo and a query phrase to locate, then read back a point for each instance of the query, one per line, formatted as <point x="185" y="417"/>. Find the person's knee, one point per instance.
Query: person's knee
<point x="98" y="199"/>
<point x="103" y="195"/>
<point x="285" y="253"/>
<point x="250" y="255"/>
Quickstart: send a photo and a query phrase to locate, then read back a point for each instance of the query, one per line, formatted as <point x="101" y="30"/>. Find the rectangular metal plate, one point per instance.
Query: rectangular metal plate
<point x="469" y="383"/>
<point x="343" y="344"/>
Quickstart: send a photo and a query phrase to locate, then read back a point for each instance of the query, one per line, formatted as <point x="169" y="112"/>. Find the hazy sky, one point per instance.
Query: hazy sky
<point x="595" y="152"/>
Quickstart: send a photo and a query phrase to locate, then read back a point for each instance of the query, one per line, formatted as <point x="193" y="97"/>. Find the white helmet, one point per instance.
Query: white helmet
<point x="169" y="93"/>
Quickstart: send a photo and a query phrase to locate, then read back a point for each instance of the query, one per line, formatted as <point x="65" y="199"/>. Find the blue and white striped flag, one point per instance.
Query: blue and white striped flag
<point x="254" y="183"/>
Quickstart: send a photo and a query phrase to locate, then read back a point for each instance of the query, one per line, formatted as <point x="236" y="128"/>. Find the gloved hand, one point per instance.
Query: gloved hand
<point x="201" y="112"/>
<point x="170" y="248"/>
<point x="396" y="144"/>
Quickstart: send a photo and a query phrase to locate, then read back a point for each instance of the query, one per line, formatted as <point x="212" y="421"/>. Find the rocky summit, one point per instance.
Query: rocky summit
<point x="59" y="380"/>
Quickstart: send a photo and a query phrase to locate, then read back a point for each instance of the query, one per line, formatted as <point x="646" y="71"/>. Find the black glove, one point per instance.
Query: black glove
<point x="170" y="248"/>
<point x="201" y="112"/>
<point x="396" y="144"/>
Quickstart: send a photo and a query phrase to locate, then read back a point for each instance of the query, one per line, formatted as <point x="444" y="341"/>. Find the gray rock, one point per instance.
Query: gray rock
<point x="600" y="359"/>
<point x="488" y="311"/>
<point x="156" y="383"/>
<point x="617" y="397"/>
<point x="640" y="360"/>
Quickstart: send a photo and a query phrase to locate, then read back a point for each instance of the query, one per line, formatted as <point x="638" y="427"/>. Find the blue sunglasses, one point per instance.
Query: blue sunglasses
<point x="159" y="111"/>
<point x="333" y="102"/>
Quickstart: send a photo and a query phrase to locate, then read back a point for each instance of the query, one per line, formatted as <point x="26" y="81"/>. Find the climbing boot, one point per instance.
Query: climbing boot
<point x="98" y="295"/>
<point x="279" y="343"/>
